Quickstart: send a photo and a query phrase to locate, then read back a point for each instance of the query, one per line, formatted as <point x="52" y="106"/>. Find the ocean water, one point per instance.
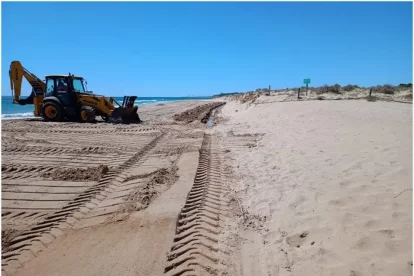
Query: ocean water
<point x="16" y="111"/>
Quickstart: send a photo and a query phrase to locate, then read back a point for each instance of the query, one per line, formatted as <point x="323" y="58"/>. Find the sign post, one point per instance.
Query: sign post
<point x="307" y="81"/>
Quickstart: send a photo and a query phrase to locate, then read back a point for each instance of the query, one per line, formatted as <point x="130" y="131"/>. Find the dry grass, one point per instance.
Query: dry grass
<point x="372" y="98"/>
<point x="387" y="92"/>
<point x="350" y="87"/>
<point x="327" y="89"/>
<point x="249" y="97"/>
<point x="409" y="97"/>
<point x="385" y="89"/>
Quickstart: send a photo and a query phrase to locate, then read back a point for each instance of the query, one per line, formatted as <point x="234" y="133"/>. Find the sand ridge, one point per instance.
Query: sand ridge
<point x="78" y="174"/>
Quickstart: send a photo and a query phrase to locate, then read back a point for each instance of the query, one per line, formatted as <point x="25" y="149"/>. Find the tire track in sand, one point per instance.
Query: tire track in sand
<point x="28" y="244"/>
<point x="198" y="244"/>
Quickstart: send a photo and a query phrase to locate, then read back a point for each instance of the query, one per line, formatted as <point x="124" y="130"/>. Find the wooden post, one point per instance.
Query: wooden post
<point x="298" y="93"/>
<point x="370" y="91"/>
<point x="306" y="89"/>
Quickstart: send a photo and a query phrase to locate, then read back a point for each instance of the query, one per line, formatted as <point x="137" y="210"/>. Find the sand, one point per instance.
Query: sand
<point x="62" y="182"/>
<point x="327" y="183"/>
<point x="275" y="188"/>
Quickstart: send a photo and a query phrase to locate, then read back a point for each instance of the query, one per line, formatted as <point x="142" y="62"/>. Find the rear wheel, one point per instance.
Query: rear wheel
<point x="52" y="111"/>
<point x="87" y="114"/>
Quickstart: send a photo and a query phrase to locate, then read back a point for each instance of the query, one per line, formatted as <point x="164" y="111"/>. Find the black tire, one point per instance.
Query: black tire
<point x="52" y="112"/>
<point x="87" y="114"/>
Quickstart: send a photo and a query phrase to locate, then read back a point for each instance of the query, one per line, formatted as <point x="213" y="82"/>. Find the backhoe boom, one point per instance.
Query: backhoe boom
<point x="16" y="73"/>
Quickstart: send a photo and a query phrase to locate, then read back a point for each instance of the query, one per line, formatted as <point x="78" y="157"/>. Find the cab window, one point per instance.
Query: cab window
<point x="62" y="85"/>
<point x="50" y="87"/>
<point x="78" y="86"/>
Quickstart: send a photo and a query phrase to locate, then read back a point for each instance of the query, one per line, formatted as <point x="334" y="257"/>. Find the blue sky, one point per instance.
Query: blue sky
<point x="181" y="49"/>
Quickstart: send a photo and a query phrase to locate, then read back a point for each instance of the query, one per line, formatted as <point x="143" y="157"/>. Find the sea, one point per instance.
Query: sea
<point x="16" y="111"/>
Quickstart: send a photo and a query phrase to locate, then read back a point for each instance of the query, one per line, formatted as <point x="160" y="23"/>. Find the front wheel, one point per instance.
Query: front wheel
<point x="52" y="111"/>
<point x="87" y="114"/>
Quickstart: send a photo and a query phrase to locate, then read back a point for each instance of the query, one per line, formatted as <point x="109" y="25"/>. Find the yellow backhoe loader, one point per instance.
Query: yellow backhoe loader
<point x="64" y="97"/>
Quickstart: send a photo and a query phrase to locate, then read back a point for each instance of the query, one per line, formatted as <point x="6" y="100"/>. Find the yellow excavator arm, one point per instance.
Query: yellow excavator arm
<point x="16" y="73"/>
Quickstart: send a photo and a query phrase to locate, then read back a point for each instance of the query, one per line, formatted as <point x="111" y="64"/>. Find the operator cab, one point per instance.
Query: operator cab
<point x="64" y="89"/>
<point x="57" y="85"/>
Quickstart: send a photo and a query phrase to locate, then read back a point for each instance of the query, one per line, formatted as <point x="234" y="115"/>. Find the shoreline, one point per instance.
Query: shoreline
<point x="139" y="107"/>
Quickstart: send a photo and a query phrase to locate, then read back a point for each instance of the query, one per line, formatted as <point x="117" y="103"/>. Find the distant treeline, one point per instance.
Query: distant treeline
<point x="336" y="88"/>
<point x="227" y="94"/>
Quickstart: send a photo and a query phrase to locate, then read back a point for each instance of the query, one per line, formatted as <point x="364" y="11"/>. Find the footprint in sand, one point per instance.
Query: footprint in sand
<point x="317" y="196"/>
<point x="354" y="273"/>
<point x="297" y="201"/>
<point x="345" y="183"/>
<point x="349" y="218"/>
<point x="372" y="223"/>
<point x="298" y="239"/>
<point x="397" y="215"/>
<point x="342" y="202"/>
<point x="388" y="233"/>
<point x="363" y="244"/>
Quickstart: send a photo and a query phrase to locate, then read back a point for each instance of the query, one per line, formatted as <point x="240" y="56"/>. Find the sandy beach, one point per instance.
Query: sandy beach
<point x="325" y="186"/>
<point x="272" y="187"/>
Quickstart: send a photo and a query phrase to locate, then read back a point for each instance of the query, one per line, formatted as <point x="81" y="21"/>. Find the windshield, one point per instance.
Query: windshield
<point x="78" y="86"/>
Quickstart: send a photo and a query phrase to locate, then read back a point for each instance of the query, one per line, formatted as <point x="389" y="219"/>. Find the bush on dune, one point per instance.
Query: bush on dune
<point x="334" y="88"/>
<point x="385" y="89"/>
<point x="322" y="89"/>
<point x="350" y="87"/>
<point x="328" y="89"/>
<point x="372" y="98"/>
<point x="405" y="85"/>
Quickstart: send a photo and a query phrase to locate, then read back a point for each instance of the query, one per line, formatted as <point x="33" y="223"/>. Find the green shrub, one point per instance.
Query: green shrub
<point x="321" y="89"/>
<point x="327" y="88"/>
<point x="334" y="88"/>
<point x="350" y="87"/>
<point x="385" y="89"/>
<point x="405" y="85"/>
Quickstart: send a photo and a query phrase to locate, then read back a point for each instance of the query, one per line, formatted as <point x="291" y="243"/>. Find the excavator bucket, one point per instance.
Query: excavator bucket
<point x="127" y="113"/>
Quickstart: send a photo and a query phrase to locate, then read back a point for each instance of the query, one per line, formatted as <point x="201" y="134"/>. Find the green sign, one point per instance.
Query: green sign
<point x="306" y="81"/>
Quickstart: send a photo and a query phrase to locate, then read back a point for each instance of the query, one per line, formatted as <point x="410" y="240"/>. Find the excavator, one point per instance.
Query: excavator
<point x="64" y="98"/>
